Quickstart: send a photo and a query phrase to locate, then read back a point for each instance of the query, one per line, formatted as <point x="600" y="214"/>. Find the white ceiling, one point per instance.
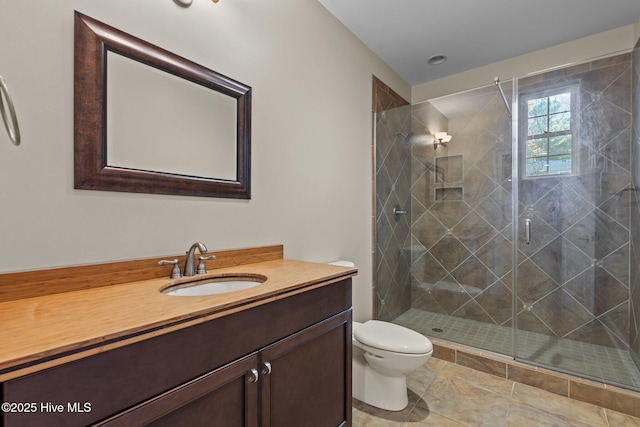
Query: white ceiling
<point x="472" y="33"/>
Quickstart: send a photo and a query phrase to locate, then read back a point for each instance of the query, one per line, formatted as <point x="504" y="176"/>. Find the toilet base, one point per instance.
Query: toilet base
<point x="376" y="389"/>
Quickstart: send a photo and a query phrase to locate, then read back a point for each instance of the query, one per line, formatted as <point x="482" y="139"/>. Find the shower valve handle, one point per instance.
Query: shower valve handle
<point x="397" y="211"/>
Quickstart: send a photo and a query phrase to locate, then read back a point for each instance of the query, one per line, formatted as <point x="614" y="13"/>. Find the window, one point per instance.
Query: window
<point x="551" y="124"/>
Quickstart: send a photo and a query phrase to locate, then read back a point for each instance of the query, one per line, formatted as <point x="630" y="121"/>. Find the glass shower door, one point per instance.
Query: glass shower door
<point x="572" y="294"/>
<point x="461" y="215"/>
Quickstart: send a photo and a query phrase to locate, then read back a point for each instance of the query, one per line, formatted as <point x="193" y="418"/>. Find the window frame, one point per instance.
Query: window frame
<point x="573" y="88"/>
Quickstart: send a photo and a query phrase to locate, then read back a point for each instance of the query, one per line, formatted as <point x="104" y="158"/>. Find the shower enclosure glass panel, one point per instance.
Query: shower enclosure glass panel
<point x="560" y="298"/>
<point x="393" y="193"/>
<point x="461" y="208"/>
<point x="574" y="141"/>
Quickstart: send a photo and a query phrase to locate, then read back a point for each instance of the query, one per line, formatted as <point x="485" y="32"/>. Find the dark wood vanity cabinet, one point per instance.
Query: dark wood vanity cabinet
<point x="226" y="397"/>
<point x="285" y="363"/>
<point x="309" y="383"/>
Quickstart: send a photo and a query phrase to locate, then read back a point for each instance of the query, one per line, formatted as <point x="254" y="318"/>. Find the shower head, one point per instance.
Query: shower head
<point x="407" y="137"/>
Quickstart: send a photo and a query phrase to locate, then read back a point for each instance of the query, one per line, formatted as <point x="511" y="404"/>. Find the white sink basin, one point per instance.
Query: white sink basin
<point x="214" y="285"/>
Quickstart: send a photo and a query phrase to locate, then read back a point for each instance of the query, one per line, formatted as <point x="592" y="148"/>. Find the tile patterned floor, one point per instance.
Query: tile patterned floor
<point x="610" y="365"/>
<point x="444" y="394"/>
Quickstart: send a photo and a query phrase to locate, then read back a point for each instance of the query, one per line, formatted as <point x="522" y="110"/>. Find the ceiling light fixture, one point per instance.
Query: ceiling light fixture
<point x="437" y="59"/>
<point x="187" y="3"/>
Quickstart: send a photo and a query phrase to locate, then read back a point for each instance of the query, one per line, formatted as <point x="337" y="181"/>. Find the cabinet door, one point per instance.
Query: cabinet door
<point x="306" y="378"/>
<point x="225" y="397"/>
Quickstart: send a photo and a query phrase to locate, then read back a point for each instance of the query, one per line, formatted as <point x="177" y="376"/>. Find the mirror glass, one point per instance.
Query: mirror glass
<point x="150" y="121"/>
<point x="159" y="122"/>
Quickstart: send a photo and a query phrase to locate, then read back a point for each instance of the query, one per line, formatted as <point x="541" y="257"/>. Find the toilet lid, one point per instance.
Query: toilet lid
<point x="390" y="337"/>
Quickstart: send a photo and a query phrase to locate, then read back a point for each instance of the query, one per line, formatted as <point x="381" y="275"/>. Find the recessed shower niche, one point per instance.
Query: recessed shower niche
<point x="448" y="170"/>
<point x="449" y="193"/>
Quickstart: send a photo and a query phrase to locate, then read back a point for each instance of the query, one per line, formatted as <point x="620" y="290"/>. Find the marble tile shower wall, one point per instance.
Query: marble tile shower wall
<point x="634" y="323"/>
<point x="393" y="188"/>
<point x="573" y="281"/>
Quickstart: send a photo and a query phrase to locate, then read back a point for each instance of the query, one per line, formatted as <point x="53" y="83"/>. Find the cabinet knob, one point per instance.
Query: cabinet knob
<point x="254" y="376"/>
<point x="267" y="368"/>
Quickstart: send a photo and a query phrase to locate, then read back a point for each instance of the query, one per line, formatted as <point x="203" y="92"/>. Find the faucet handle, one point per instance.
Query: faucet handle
<point x="202" y="268"/>
<point x="175" y="273"/>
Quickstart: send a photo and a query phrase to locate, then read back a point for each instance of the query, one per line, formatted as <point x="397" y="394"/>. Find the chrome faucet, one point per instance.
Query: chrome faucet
<point x="189" y="265"/>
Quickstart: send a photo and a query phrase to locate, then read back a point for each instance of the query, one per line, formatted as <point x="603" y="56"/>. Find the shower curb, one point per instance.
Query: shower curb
<point x="596" y="393"/>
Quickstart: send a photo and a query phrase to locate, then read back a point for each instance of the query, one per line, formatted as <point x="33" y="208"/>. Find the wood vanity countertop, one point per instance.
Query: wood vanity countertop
<point x="45" y="331"/>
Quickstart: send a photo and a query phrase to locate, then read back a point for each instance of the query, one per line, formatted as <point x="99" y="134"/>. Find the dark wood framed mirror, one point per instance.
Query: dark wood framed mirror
<point x="218" y="164"/>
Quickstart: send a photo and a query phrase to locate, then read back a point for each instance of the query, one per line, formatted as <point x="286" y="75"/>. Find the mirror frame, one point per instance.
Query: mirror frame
<point x="93" y="40"/>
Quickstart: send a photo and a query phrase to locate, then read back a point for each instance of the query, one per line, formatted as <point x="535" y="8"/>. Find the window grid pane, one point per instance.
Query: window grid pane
<point x="537" y="147"/>
<point x="559" y="145"/>
<point x="538" y="125"/>
<point x="560" y="103"/>
<point x="538" y="107"/>
<point x="560" y="122"/>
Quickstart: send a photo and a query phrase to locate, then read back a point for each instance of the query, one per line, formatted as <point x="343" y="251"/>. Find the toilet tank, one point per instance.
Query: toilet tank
<point x="355" y="325"/>
<point x="343" y="263"/>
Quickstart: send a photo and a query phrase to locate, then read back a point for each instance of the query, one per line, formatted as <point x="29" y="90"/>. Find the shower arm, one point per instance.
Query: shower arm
<point x="504" y="98"/>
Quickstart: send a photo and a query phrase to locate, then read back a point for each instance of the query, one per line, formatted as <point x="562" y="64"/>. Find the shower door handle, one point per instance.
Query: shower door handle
<point x="527" y="231"/>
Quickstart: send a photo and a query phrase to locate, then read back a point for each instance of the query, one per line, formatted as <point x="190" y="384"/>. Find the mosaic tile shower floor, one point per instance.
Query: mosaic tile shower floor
<point x="604" y="364"/>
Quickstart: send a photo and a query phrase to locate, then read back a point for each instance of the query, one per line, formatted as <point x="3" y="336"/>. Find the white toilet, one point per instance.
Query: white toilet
<point x="383" y="355"/>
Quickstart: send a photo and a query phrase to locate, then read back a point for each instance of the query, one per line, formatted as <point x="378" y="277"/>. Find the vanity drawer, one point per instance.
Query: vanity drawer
<point x="118" y="379"/>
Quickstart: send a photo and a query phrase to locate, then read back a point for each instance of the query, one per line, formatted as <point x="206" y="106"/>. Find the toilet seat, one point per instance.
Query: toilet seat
<point x="390" y="337"/>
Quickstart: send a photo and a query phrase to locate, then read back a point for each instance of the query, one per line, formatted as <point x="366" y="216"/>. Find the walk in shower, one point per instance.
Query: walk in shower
<point x="522" y="233"/>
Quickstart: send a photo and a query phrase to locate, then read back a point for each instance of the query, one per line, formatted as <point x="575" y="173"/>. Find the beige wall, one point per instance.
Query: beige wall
<point x="311" y="145"/>
<point x="608" y="43"/>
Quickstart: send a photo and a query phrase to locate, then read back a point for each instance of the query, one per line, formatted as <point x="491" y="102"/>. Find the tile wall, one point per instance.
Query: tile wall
<point x="392" y="187"/>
